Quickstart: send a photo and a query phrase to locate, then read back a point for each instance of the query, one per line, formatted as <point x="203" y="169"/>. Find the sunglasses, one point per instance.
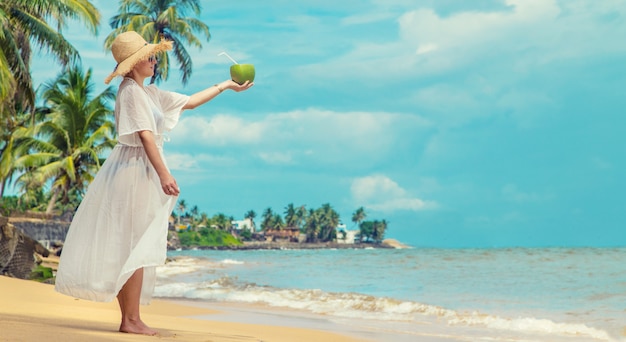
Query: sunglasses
<point x="152" y="59"/>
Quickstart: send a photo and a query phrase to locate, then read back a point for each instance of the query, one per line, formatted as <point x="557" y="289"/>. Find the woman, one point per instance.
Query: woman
<point x="119" y="233"/>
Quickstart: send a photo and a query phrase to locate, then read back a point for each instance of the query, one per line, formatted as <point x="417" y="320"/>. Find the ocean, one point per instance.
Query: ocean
<point x="416" y="294"/>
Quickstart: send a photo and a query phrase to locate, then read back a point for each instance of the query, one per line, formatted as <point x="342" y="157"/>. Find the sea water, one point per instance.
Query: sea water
<point x="416" y="294"/>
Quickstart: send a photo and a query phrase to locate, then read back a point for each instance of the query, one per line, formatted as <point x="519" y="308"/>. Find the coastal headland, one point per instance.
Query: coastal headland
<point x="388" y="243"/>
<point x="54" y="230"/>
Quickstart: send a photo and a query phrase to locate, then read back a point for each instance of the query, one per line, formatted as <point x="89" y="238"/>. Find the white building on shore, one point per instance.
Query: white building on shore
<point x="344" y="235"/>
<point x="245" y="224"/>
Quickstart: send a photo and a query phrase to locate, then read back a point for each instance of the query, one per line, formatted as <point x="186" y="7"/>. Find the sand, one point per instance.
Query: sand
<point x="31" y="311"/>
<point x="395" y="244"/>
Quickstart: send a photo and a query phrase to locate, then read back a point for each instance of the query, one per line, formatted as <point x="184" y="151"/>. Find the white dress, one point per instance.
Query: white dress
<point x="121" y="224"/>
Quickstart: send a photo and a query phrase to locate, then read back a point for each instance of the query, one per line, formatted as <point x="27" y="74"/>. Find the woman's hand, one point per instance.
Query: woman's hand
<point x="169" y="186"/>
<point x="238" y="87"/>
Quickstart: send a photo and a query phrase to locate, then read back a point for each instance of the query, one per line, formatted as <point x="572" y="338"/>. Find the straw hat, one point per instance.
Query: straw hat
<point x="129" y="48"/>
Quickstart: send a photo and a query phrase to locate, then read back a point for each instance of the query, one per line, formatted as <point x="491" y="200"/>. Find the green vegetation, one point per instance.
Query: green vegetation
<point x="65" y="147"/>
<point x="57" y="152"/>
<point x="10" y="204"/>
<point x="24" y="25"/>
<point x="207" y="237"/>
<point x="41" y="273"/>
<point x="317" y="225"/>
<point x="52" y="141"/>
<point x="372" y="231"/>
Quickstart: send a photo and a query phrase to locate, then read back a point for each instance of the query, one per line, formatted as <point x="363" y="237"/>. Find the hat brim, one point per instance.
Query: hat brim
<point x="129" y="63"/>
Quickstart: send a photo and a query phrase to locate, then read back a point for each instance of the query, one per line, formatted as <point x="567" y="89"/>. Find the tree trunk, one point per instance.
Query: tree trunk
<point x="52" y="202"/>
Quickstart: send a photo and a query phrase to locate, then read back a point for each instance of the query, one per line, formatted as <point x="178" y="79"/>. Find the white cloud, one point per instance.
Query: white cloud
<point x="533" y="32"/>
<point x="216" y="130"/>
<point x="321" y="135"/>
<point x="195" y="162"/>
<point x="365" y="130"/>
<point x="530" y="33"/>
<point x="425" y="48"/>
<point x="424" y="26"/>
<point x="379" y="192"/>
<point x="504" y="58"/>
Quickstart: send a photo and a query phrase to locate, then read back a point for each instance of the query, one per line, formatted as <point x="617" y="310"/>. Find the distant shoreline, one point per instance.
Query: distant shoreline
<point x="386" y="244"/>
<point x="55" y="230"/>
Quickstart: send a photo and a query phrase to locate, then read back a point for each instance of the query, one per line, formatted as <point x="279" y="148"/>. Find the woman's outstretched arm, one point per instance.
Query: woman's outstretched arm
<point x="209" y="93"/>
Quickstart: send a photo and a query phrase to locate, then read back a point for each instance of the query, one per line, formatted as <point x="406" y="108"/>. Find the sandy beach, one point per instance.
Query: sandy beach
<point x="31" y="311"/>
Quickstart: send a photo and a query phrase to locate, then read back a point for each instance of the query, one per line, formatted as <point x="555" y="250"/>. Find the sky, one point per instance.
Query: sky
<point x="476" y="123"/>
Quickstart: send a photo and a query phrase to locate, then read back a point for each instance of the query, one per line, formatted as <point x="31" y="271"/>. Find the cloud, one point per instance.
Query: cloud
<point x="379" y="192"/>
<point x="196" y="162"/>
<point x="425" y="48"/>
<point x="217" y="130"/>
<point x="312" y="135"/>
<point x="532" y="32"/>
<point x="501" y="43"/>
<point x="472" y="28"/>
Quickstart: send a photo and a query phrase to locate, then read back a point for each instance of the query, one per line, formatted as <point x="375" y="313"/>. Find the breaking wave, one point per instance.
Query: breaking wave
<point x="359" y="306"/>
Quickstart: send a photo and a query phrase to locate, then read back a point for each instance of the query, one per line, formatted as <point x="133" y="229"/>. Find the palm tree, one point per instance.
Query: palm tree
<point x="182" y="206"/>
<point x="32" y="197"/>
<point x="373" y="231"/>
<point x="39" y="22"/>
<point x="251" y="215"/>
<point x="67" y="146"/>
<point x="162" y="19"/>
<point x="204" y="219"/>
<point x="358" y="216"/>
<point x="268" y="215"/>
<point x="290" y="216"/>
<point x="22" y="24"/>
<point x="366" y="231"/>
<point x="321" y="224"/>
<point x="294" y="217"/>
<point x="222" y="222"/>
<point x="311" y="226"/>
<point x="14" y="132"/>
<point x="194" y="212"/>
<point x="300" y="216"/>
<point x="329" y="220"/>
<point x="384" y="225"/>
<point x="277" y="222"/>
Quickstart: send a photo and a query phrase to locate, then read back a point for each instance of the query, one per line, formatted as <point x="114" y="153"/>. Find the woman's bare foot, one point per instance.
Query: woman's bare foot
<point x="136" y="327"/>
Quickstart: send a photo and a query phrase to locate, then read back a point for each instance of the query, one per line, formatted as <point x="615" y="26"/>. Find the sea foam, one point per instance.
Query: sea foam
<point x="549" y="295"/>
<point x="358" y="306"/>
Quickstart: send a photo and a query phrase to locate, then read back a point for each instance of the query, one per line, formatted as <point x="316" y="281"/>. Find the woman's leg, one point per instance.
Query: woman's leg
<point x="128" y="298"/>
